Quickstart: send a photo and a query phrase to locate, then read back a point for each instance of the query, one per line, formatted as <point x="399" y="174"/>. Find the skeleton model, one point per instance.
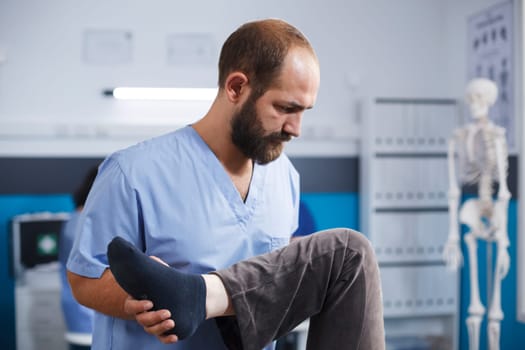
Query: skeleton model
<point x="481" y="152"/>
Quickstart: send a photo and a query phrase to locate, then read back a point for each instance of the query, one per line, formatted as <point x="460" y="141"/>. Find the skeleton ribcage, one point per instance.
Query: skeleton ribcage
<point x="477" y="156"/>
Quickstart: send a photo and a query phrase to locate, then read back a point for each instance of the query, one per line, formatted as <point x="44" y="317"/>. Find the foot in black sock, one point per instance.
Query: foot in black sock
<point x="184" y="295"/>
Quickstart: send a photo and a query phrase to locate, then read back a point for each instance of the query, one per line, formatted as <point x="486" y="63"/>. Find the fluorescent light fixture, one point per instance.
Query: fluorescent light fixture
<point x="178" y="94"/>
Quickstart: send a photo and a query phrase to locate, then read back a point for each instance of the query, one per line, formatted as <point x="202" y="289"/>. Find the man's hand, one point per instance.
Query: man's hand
<point x="153" y="322"/>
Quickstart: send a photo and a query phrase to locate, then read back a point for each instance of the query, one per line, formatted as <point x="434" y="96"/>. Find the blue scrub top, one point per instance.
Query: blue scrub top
<point x="172" y="198"/>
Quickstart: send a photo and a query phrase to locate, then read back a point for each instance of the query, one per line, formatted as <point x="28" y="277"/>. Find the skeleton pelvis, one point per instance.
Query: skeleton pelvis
<point x="480" y="217"/>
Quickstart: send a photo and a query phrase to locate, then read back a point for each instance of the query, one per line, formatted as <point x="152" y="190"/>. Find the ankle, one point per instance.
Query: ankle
<point x="218" y="302"/>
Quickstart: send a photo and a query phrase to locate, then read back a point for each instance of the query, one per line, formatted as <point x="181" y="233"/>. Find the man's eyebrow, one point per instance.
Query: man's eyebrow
<point x="296" y="105"/>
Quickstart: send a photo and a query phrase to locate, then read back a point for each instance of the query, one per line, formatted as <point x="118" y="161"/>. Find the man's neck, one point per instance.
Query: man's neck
<point x="218" y="139"/>
<point x="237" y="166"/>
<point x="215" y="129"/>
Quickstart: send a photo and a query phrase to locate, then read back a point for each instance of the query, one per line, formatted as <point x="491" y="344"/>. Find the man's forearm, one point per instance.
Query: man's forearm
<point x="101" y="294"/>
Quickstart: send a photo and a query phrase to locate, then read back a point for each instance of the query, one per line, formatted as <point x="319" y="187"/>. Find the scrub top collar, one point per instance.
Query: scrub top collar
<point x="243" y="209"/>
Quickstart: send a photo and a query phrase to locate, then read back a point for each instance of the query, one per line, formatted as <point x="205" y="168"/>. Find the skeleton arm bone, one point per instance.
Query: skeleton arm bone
<point x="452" y="249"/>
<point x="502" y="163"/>
<point x="501" y="206"/>
<point x="453" y="193"/>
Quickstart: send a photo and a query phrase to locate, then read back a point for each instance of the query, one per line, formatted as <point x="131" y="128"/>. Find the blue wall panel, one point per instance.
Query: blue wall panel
<point x="333" y="209"/>
<point x="11" y="205"/>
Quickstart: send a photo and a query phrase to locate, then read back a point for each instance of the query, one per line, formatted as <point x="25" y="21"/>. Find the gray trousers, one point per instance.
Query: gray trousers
<point x="331" y="277"/>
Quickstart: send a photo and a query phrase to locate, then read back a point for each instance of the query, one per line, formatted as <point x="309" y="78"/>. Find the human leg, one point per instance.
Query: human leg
<point x="331" y="277"/>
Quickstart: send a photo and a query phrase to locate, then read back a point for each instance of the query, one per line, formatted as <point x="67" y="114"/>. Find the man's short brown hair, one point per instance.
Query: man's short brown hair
<point x="258" y="50"/>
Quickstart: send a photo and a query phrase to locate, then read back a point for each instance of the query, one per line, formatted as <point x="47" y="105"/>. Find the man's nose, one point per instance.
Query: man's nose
<point x="292" y="125"/>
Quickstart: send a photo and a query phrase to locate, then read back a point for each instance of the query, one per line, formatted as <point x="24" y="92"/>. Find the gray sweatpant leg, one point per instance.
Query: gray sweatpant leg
<point x="331" y="277"/>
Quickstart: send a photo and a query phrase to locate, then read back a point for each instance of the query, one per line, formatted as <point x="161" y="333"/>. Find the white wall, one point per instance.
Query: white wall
<point x="366" y="48"/>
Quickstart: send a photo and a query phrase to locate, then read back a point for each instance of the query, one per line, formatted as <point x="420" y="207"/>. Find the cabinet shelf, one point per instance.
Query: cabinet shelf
<point x="404" y="211"/>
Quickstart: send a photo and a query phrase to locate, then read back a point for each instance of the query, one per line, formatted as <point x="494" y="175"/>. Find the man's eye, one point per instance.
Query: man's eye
<point x="286" y="109"/>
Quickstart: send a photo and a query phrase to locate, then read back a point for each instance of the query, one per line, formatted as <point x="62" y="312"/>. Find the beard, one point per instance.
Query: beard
<point x="249" y="137"/>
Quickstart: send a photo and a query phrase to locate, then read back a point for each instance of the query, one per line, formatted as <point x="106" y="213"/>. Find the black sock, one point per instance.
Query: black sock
<point x="184" y="295"/>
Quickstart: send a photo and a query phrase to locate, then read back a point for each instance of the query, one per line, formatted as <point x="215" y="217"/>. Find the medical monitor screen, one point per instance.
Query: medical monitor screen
<point x="39" y="242"/>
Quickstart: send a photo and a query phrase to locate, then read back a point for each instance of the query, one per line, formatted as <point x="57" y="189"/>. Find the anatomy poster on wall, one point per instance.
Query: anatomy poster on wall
<point x="489" y="53"/>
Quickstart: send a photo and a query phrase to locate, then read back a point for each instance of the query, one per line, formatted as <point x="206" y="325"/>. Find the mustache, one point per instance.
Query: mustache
<point x="278" y="137"/>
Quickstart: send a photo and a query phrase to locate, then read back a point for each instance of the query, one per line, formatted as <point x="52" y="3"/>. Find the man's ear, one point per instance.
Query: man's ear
<point x="236" y="86"/>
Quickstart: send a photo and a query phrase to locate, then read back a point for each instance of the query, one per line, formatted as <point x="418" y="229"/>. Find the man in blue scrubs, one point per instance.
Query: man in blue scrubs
<point x="205" y="196"/>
